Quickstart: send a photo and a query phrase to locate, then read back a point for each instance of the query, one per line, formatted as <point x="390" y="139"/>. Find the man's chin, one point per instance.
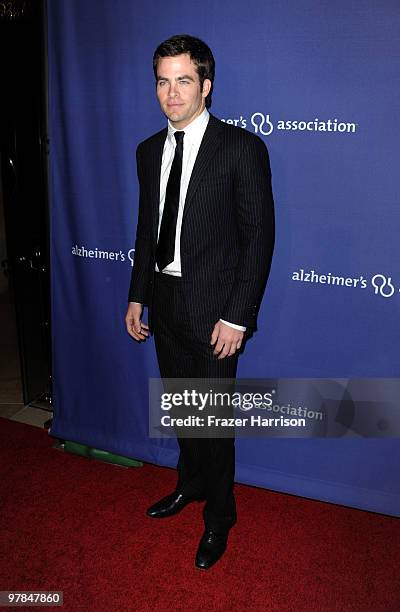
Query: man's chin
<point x="175" y="117"/>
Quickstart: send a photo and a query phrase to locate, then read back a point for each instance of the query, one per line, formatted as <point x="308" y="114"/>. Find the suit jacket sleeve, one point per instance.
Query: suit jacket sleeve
<point x="143" y="261"/>
<point x="256" y="230"/>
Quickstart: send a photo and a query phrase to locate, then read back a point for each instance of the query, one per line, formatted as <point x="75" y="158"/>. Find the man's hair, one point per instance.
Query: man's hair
<point x="198" y="51"/>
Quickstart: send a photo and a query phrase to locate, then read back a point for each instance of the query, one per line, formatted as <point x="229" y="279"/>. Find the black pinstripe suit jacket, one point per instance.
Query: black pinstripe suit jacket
<point x="227" y="234"/>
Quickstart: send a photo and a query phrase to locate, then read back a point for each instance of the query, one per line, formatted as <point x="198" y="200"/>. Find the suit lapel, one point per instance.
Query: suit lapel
<point x="208" y="147"/>
<point x="155" y="170"/>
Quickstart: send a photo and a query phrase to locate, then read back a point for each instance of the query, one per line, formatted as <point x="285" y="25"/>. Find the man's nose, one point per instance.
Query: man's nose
<point x="172" y="90"/>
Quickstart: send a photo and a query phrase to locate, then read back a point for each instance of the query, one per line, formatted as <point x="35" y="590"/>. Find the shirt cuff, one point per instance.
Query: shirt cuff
<point x="238" y="327"/>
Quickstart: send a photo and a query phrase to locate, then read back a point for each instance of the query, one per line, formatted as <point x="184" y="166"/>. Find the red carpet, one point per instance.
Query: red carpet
<point x="78" y="525"/>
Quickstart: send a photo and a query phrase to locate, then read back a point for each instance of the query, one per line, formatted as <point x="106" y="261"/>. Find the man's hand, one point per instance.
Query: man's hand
<point x="135" y="328"/>
<point x="228" y="340"/>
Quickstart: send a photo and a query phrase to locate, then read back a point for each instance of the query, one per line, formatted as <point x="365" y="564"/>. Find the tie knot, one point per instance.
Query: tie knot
<point x="179" y="137"/>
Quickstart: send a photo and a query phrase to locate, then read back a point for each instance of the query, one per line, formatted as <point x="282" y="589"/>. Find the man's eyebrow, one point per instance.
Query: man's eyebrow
<point x="179" y="78"/>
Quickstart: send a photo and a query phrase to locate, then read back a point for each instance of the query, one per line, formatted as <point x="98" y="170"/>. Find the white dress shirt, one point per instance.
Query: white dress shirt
<point x="194" y="133"/>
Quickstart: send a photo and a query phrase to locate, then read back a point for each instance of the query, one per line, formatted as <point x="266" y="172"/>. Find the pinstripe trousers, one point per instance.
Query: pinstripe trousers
<point x="206" y="466"/>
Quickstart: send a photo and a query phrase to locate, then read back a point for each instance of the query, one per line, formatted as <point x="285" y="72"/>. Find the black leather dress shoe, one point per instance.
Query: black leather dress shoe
<point x="169" y="505"/>
<point x="211" y="548"/>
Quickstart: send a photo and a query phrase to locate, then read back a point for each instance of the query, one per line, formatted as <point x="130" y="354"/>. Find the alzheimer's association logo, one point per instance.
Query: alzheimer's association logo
<point x="262" y="124"/>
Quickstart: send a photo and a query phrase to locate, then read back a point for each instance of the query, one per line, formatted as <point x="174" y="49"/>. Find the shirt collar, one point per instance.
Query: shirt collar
<point x="193" y="131"/>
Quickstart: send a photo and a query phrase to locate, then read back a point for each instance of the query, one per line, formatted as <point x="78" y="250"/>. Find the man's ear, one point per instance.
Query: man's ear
<point x="206" y="88"/>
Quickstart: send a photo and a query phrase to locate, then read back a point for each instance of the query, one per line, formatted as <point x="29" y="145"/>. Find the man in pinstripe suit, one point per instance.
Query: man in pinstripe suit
<point x="203" y="250"/>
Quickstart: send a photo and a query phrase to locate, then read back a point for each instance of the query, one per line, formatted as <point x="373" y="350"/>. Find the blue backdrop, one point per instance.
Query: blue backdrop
<point x="319" y="82"/>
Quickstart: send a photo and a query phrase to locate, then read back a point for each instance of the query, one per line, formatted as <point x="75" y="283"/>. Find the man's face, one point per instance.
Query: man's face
<point x="178" y="90"/>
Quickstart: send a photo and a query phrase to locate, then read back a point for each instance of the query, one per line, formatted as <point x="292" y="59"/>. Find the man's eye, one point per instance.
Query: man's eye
<point x="161" y="83"/>
<point x="184" y="82"/>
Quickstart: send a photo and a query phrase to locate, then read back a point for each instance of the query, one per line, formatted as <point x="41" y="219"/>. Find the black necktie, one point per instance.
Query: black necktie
<point x="166" y="240"/>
